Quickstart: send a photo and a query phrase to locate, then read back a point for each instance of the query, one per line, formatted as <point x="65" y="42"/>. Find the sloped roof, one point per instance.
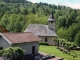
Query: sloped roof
<point x="1" y="26"/>
<point x="13" y="38"/>
<point x="40" y="30"/>
<point x="51" y="17"/>
<point x="2" y="29"/>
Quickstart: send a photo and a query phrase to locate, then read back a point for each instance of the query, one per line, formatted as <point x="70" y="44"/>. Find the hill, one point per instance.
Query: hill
<point x="16" y="15"/>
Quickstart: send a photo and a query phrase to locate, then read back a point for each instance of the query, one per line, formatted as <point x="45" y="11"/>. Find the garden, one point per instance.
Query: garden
<point x="54" y="51"/>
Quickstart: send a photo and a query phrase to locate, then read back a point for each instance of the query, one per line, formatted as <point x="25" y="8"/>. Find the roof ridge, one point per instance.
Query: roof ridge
<point x="15" y="32"/>
<point x="38" y="24"/>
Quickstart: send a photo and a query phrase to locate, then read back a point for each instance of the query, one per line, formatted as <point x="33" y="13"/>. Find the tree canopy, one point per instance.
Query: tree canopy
<point x="16" y="15"/>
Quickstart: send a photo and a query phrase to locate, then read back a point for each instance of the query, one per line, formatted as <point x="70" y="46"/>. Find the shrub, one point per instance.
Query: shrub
<point x="44" y="43"/>
<point x="12" y="52"/>
<point x="1" y="52"/>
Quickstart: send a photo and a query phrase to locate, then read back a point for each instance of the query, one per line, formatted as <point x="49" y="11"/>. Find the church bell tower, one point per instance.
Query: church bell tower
<point x="51" y="22"/>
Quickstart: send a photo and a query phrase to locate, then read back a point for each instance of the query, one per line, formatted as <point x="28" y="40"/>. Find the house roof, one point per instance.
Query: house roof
<point x="51" y="17"/>
<point x="2" y="29"/>
<point x="1" y="26"/>
<point x="13" y="38"/>
<point x="40" y="30"/>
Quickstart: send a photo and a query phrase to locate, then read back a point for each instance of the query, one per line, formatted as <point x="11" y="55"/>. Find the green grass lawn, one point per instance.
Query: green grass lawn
<point x="52" y="50"/>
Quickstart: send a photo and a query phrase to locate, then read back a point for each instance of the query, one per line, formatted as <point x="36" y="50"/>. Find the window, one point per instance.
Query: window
<point x="1" y="48"/>
<point x="46" y="40"/>
<point x="51" y="21"/>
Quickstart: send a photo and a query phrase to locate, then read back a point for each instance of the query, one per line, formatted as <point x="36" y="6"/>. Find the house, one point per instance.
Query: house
<point x="27" y="41"/>
<point x="45" y="32"/>
<point x="2" y="29"/>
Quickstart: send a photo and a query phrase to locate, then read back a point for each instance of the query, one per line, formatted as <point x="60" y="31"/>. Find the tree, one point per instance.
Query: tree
<point x="78" y="19"/>
<point x="77" y="39"/>
<point x="15" y="10"/>
<point x="33" y="10"/>
<point x="69" y="22"/>
<point x="4" y="20"/>
<point x="61" y="21"/>
<point x="24" y="11"/>
<point x="16" y="23"/>
<point x="68" y="47"/>
<point x="12" y="52"/>
<point x="71" y="31"/>
<point x="62" y="33"/>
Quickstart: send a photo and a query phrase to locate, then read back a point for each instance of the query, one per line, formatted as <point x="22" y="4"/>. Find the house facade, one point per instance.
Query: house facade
<point x="26" y="41"/>
<point x="45" y="32"/>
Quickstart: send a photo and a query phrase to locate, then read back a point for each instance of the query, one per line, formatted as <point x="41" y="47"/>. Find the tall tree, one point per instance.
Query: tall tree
<point x="33" y="10"/>
<point x="77" y="39"/>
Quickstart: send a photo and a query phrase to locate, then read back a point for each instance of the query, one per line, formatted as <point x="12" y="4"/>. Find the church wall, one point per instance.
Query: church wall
<point x="49" y="39"/>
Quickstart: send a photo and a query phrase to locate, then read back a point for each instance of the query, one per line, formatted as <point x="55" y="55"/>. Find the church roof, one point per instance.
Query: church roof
<point x="51" y="18"/>
<point x="40" y="30"/>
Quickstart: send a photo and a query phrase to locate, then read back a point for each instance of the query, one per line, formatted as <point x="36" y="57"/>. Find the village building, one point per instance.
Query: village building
<point x="3" y="30"/>
<point x="45" y="32"/>
<point x="27" y="41"/>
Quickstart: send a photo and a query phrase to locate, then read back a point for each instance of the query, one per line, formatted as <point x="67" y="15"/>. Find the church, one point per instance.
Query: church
<point x="45" y="32"/>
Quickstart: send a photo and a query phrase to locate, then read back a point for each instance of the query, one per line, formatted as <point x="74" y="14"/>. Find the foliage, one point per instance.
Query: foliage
<point x="62" y="43"/>
<point x="77" y="39"/>
<point x="12" y="52"/>
<point x="62" y="32"/>
<point x="44" y="43"/>
<point x="16" y="15"/>
<point x="1" y="52"/>
<point x="54" y="51"/>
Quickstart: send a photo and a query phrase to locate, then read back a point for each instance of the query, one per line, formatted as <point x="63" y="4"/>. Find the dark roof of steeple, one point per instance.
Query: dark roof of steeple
<point x="51" y="17"/>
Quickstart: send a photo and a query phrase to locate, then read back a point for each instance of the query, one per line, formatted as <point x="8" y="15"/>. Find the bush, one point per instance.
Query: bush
<point x="12" y="52"/>
<point x="1" y="52"/>
<point x="44" y="43"/>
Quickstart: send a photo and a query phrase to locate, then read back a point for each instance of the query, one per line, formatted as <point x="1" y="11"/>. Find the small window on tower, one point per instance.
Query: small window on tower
<point x="51" y="21"/>
<point x="46" y="40"/>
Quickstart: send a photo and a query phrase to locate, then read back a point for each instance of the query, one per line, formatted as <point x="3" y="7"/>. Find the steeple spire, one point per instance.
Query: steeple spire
<point x="51" y="22"/>
<point x="51" y="17"/>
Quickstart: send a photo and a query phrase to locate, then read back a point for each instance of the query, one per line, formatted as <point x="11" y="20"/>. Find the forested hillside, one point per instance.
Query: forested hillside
<point x="16" y="15"/>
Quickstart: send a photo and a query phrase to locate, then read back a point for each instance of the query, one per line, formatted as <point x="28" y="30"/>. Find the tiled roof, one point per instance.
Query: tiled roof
<point x="40" y="30"/>
<point x="4" y="30"/>
<point x="21" y="37"/>
<point x="1" y="27"/>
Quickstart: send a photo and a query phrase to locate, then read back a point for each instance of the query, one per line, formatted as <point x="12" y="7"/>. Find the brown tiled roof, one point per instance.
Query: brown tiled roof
<point x="5" y="30"/>
<point x="1" y="27"/>
<point x="21" y="37"/>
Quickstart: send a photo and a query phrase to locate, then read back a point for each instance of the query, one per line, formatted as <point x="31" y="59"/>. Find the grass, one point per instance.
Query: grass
<point x="52" y="50"/>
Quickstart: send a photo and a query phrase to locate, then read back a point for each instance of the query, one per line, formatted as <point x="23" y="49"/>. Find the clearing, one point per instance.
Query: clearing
<point x="54" y="51"/>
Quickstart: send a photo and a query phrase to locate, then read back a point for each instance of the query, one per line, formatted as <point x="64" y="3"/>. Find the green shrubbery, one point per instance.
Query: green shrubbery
<point x="12" y="52"/>
<point x="44" y="43"/>
<point x="65" y="45"/>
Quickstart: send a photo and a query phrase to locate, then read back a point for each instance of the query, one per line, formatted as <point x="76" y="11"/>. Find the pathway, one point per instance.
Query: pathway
<point x="56" y="58"/>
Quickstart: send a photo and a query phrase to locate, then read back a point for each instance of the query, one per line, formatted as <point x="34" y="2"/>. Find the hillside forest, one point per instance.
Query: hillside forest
<point x="16" y="15"/>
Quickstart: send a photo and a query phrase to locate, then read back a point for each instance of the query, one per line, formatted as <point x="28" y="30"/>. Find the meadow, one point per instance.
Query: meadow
<point x="54" y="51"/>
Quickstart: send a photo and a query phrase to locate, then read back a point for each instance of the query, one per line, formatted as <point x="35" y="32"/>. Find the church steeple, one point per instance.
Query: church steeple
<point x="51" y="22"/>
<point x="51" y="17"/>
